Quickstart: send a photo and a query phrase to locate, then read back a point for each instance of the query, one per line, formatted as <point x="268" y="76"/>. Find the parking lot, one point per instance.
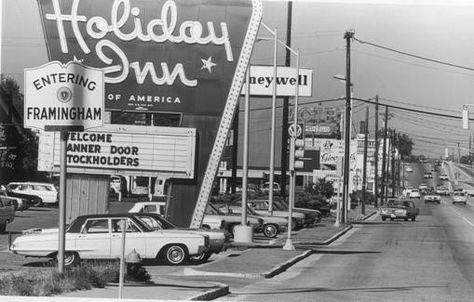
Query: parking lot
<point x="47" y="217"/>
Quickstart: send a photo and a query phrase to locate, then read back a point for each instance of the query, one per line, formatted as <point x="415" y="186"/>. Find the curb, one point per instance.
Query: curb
<point x="221" y="291"/>
<point x="266" y="275"/>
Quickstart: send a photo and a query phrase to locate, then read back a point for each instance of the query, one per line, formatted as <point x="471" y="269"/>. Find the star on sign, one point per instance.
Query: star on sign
<point x="207" y="64"/>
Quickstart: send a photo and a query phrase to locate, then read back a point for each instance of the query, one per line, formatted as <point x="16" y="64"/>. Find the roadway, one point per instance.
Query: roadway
<point x="427" y="260"/>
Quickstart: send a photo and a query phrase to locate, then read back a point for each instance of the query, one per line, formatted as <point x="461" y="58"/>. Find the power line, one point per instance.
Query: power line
<point x="413" y="55"/>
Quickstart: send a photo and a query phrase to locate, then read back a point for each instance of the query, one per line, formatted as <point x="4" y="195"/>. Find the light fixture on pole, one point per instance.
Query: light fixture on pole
<point x="272" y="142"/>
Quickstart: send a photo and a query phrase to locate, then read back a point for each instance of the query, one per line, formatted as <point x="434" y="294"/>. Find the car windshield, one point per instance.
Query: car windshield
<point x="212" y="210"/>
<point x="156" y="222"/>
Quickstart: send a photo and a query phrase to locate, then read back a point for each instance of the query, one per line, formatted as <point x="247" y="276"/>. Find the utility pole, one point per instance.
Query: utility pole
<point x="384" y="157"/>
<point x="393" y="163"/>
<point x="376" y="153"/>
<point x="347" y="137"/>
<point x="459" y="153"/>
<point x="364" y="172"/>
<point x="470" y="148"/>
<point x="286" y="101"/>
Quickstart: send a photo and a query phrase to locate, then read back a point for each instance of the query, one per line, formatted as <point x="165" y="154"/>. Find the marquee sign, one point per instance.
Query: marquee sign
<point x="119" y="149"/>
<point x="63" y="95"/>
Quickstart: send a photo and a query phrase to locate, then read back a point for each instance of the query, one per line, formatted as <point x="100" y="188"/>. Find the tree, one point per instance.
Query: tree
<point x="321" y="187"/>
<point x="403" y="143"/>
<point x="19" y="157"/>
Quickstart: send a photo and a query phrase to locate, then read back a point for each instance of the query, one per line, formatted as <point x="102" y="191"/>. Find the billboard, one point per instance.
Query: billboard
<point x="261" y="81"/>
<point x="185" y="56"/>
<point x="127" y="150"/>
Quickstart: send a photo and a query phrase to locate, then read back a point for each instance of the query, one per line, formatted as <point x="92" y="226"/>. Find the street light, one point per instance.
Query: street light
<point x="289" y="244"/>
<point x="272" y="139"/>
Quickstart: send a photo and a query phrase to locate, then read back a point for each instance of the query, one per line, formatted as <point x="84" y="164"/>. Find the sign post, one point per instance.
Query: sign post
<point x="63" y="97"/>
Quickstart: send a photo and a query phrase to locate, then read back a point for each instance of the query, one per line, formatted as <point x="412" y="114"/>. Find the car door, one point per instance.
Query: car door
<point x="93" y="242"/>
<point x="134" y="238"/>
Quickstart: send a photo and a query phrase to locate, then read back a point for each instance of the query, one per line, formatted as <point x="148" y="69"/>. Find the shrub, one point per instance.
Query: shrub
<point x="50" y="282"/>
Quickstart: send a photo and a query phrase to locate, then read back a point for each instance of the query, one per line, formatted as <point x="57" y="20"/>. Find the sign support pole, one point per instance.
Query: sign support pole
<point x="62" y="201"/>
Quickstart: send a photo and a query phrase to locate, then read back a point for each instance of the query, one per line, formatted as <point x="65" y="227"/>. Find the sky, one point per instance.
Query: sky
<point x="438" y="30"/>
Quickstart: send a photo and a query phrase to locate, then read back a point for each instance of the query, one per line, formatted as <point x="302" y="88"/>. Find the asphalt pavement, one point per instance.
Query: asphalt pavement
<point x="251" y="261"/>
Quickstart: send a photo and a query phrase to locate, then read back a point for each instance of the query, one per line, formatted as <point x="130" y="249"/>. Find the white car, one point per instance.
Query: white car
<point x="409" y="169"/>
<point x="444" y="177"/>
<point x="156" y="207"/>
<point x="415" y="193"/>
<point x="459" y="197"/>
<point x="100" y="237"/>
<point x="43" y="193"/>
<point x="218" y="239"/>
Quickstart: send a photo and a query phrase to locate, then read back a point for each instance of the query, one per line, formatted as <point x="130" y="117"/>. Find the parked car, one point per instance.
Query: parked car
<point x="399" y="209"/>
<point x="459" y="197"/>
<point x="272" y="225"/>
<point x="156" y="207"/>
<point x="409" y="169"/>
<point x="19" y="204"/>
<point x="7" y="215"/>
<point x="100" y="237"/>
<point x="261" y="207"/>
<point x="42" y="193"/>
<point x="266" y="187"/>
<point x="432" y="197"/>
<point x="216" y="219"/>
<point x="219" y="240"/>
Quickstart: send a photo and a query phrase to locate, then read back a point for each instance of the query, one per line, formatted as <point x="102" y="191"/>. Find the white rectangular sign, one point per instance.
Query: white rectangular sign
<point x="59" y="94"/>
<point x="261" y="81"/>
<point x="123" y="149"/>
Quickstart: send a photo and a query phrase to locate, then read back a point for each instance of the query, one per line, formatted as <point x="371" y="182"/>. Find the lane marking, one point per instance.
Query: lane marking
<point x="464" y="218"/>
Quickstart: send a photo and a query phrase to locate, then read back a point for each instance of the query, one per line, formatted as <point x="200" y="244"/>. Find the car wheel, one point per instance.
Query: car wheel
<point x="383" y="218"/>
<point x="202" y="257"/>
<point x="413" y="218"/>
<point x="70" y="258"/>
<point x="176" y="254"/>
<point x="3" y="227"/>
<point x="270" y="230"/>
<point x="406" y="219"/>
<point x="37" y="202"/>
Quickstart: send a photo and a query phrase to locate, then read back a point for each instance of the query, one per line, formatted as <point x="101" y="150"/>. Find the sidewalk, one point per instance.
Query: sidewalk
<point x="252" y="261"/>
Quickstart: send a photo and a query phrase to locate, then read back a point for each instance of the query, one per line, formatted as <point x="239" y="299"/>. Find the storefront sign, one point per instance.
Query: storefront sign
<point x="156" y="55"/>
<point x="118" y="149"/>
<point x="63" y="95"/>
<point x="261" y="81"/>
<point x="329" y="130"/>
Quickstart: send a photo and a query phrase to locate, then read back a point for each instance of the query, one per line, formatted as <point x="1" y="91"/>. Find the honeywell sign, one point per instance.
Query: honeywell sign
<point x="261" y="81"/>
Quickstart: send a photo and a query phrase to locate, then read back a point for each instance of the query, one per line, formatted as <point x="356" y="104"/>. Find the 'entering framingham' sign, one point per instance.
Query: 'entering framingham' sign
<point x="59" y="94"/>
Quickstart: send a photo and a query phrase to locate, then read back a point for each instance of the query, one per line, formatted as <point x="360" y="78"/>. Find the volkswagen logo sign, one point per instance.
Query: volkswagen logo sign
<point x="64" y="94"/>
